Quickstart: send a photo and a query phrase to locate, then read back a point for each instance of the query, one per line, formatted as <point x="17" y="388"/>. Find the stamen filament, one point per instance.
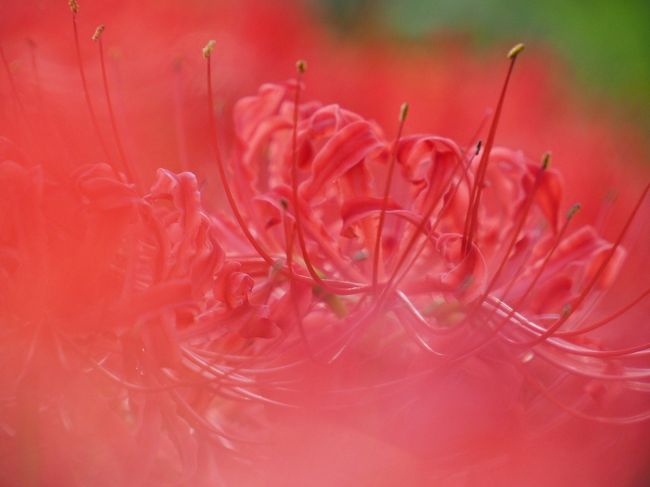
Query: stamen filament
<point x="565" y="316"/>
<point x="207" y="51"/>
<point x="606" y="320"/>
<point x="301" y="67"/>
<point x="475" y="198"/>
<point x="520" y="223"/>
<point x="74" y="7"/>
<point x="97" y="37"/>
<point x="389" y="180"/>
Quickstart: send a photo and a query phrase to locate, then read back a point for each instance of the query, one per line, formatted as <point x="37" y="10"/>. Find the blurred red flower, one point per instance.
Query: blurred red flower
<point x="426" y="316"/>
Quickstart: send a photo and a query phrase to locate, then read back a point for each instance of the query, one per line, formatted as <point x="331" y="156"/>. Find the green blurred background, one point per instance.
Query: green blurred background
<point x="605" y="44"/>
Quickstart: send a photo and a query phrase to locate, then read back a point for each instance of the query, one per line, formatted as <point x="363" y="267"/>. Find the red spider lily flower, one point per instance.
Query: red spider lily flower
<point x="428" y="309"/>
<point x="466" y="252"/>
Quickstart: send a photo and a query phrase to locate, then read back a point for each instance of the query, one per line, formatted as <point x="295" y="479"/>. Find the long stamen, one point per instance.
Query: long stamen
<point x="97" y="37"/>
<point x="74" y="7"/>
<point x="565" y="316"/>
<point x="391" y="166"/>
<point x="522" y="220"/>
<point x="606" y="320"/>
<point x="558" y="239"/>
<point x="345" y="288"/>
<point x="475" y="199"/>
<point x="207" y="52"/>
<point x="301" y="67"/>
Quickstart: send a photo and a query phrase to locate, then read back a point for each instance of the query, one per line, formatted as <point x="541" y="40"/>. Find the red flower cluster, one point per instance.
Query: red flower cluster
<point x="427" y="308"/>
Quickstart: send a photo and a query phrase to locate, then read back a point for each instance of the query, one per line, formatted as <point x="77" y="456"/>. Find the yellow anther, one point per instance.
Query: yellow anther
<point x="98" y="32"/>
<point x="209" y="47"/>
<point x="301" y="66"/>
<point x="514" y="52"/>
